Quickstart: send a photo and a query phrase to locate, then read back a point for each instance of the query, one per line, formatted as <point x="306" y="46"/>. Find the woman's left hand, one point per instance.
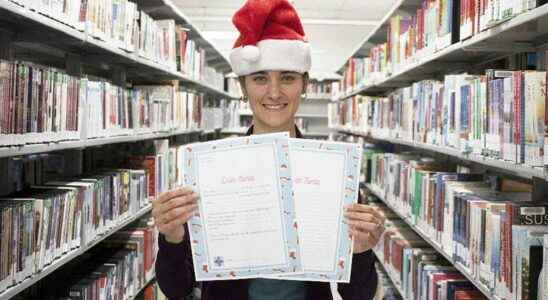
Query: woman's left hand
<point x="366" y="226"/>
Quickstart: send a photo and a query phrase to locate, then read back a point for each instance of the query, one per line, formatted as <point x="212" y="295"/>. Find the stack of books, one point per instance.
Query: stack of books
<point x="500" y="115"/>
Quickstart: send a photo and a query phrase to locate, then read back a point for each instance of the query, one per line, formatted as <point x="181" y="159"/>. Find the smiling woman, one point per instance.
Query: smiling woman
<point x="274" y="98"/>
<point x="272" y="59"/>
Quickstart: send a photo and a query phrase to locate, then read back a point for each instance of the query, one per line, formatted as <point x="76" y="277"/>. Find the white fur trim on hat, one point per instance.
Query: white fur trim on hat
<point x="274" y="55"/>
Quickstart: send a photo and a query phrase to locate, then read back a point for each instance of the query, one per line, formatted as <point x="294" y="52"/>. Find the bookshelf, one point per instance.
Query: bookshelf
<point x="434" y="245"/>
<point x="524" y="32"/>
<point x="53" y="39"/>
<point x="13" y="291"/>
<point x="500" y="46"/>
<point x="58" y="146"/>
<point x="166" y="9"/>
<point x="378" y="34"/>
<point x="507" y="167"/>
<point x="30" y="35"/>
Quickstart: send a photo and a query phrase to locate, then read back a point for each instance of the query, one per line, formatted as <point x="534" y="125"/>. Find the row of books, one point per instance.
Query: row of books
<point x="119" y="268"/>
<point x="487" y="226"/>
<point x="41" y="104"/>
<point x="42" y="223"/>
<point x="416" y="268"/>
<point x="190" y="59"/>
<point x="119" y="23"/>
<point x="436" y="25"/>
<point x="319" y="88"/>
<point x="221" y="114"/>
<point x="65" y="213"/>
<point x="500" y="115"/>
<point x="385" y="287"/>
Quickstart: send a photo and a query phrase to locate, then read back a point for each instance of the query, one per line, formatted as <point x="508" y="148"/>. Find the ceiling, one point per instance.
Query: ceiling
<point x="335" y="28"/>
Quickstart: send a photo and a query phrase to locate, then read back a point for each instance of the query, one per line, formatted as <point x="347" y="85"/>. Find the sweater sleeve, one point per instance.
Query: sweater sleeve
<point x="363" y="279"/>
<point x="174" y="267"/>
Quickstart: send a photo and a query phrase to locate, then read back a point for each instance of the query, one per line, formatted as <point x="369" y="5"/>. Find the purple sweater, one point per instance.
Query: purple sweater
<point x="175" y="275"/>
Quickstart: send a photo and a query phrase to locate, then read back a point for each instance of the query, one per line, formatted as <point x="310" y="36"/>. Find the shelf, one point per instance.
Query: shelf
<point x="525" y="32"/>
<point x="318" y="97"/>
<point x="378" y="34"/>
<point x="210" y="131"/>
<point x="11" y="292"/>
<point x="57" y="146"/>
<point x="385" y="270"/>
<point x="504" y="166"/>
<point x="206" y="87"/>
<point x="37" y="33"/>
<point x="435" y="245"/>
<point x="166" y="9"/>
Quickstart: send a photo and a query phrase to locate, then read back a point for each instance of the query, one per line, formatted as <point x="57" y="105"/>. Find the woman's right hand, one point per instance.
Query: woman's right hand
<point x="173" y="209"/>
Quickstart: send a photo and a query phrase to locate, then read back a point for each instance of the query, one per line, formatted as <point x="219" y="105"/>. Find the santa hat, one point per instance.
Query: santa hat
<point x="271" y="38"/>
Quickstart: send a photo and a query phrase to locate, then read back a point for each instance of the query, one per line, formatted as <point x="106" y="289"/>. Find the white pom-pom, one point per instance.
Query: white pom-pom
<point x="251" y="53"/>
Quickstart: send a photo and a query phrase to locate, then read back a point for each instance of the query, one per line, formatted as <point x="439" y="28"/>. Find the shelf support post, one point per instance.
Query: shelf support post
<point x="73" y="64"/>
<point x="7" y="51"/>
<point x="540" y="189"/>
<point x="119" y="76"/>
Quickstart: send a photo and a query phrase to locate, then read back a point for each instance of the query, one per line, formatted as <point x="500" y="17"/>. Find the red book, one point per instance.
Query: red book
<point x="438" y="277"/>
<point x="396" y="256"/>
<point x="148" y="293"/>
<point x="147" y="163"/>
<point x="469" y="295"/>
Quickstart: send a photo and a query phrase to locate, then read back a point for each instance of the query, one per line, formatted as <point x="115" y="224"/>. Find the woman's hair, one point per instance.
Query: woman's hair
<point x="306" y="79"/>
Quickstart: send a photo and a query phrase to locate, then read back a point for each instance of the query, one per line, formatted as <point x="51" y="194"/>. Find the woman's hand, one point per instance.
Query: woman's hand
<point x="173" y="209"/>
<point x="366" y="226"/>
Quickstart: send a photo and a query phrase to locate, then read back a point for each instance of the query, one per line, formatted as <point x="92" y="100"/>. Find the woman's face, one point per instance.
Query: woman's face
<point x="274" y="97"/>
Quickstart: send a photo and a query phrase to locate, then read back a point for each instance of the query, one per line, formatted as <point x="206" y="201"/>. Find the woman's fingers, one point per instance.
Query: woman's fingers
<point x="165" y="197"/>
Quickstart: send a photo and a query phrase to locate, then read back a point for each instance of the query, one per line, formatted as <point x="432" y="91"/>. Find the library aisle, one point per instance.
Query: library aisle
<point x="446" y="98"/>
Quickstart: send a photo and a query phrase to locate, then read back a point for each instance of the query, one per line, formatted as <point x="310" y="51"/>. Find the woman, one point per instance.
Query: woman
<point x="272" y="59"/>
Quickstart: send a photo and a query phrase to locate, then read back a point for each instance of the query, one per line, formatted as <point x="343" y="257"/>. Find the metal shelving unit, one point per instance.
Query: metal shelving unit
<point x="11" y="292"/>
<point x="481" y="287"/>
<point x="53" y="40"/>
<point x="166" y="9"/>
<point x="525" y="32"/>
<point x="504" y="166"/>
<point x="39" y="38"/>
<point x="76" y="144"/>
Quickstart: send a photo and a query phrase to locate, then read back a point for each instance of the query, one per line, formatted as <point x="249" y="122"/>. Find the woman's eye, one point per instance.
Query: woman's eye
<point x="288" y="78"/>
<point x="259" y="79"/>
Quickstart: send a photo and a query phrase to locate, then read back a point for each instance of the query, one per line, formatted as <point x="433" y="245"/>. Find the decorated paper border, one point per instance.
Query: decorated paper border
<point x="352" y="167"/>
<point x="280" y="144"/>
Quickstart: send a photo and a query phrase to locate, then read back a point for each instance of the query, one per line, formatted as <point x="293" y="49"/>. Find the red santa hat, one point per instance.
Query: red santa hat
<point x="271" y="38"/>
